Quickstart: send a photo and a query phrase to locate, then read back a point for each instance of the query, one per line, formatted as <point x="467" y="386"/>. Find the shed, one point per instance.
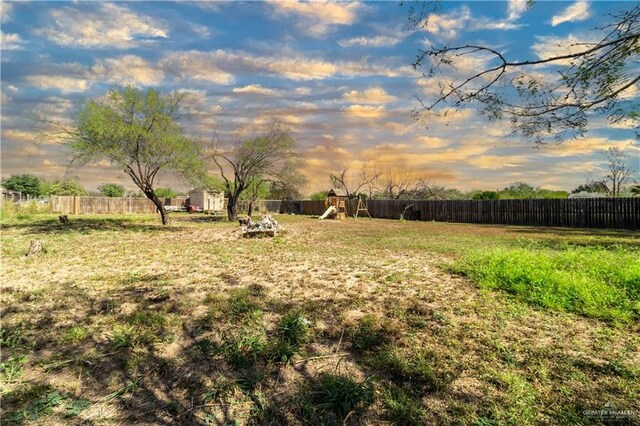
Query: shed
<point x="210" y="201"/>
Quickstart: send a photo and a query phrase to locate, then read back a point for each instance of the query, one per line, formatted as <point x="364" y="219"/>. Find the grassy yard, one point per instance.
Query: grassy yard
<point x="359" y="322"/>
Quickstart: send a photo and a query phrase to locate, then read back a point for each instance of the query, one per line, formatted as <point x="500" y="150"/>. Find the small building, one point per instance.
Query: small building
<point x="10" y="195"/>
<point x="209" y="201"/>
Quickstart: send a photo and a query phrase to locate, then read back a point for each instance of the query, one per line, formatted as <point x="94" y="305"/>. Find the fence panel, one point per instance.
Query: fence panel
<point x="620" y="213"/>
<point x="101" y="205"/>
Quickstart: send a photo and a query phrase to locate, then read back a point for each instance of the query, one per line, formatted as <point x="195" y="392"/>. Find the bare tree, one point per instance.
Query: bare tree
<point x="618" y="171"/>
<point x="404" y="186"/>
<point x="591" y="78"/>
<point x="285" y="184"/>
<point x="365" y="178"/>
<point x="251" y="162"/>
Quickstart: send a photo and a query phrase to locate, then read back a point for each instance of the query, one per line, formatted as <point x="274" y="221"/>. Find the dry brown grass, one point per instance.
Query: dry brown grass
<point x="134" y="318"/>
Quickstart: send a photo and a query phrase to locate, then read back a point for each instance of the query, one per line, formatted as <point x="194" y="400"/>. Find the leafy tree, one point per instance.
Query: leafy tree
<point x="138" y="132"/>
<point x="635" y="190"/>
<point x="320" y="195"/>
<point x="591" y="187"/>
<point x="67" y="187"/>
<point x="268" y="157"/>
<point x="111" y="190"/>
<point x="487" y="195"/>
<point x="166" y="193"/>
<point x="25" y="183"/>
<point x="586" y="79"/>
<point x="518" y="190"/>
<point x="548" y="193"/>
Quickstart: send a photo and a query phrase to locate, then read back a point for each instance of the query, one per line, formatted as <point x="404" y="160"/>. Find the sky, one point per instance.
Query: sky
<point x="338" y="74"/>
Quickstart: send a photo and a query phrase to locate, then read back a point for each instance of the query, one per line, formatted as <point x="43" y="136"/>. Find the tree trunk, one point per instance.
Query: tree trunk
<point x="232" y="208"/>
<point x="164" y="215"/>
<point x="250" y="209"/>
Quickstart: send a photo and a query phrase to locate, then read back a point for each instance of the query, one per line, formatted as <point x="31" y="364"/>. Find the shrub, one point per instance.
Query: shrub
<point x="111" y="190"/>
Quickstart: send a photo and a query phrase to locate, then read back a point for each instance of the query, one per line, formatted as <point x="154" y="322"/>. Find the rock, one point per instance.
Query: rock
<point x="35" y="247"/>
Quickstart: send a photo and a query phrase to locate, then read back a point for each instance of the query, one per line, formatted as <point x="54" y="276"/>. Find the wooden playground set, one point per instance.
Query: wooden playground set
<point x="336" y="205"/>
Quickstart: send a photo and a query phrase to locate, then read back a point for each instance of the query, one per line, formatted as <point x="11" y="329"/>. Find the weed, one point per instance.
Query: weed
<point x="339" y="394"/>
<point x="12" y="368"/>
<point x="401" y="408"/>
<point x="369" y="335"/>
<point x="293" y="328"/>
<point x="418" y="369"/>
<point x="241" y="303"/>
<point x="75" y="334"/>
<point x="40" y="407"/>
<point x="77" y="406"/>
<point x="243" y="350"/>
<point x="128" y="336"/>
<point x="292" y="331"/>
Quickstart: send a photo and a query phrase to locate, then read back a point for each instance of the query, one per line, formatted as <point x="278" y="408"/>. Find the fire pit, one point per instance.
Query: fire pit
<point x="267" y="227"/>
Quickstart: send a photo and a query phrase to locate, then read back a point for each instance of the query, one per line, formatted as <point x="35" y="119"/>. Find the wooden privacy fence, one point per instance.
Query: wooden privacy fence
<point x="101" y="205"/>
<point x="621" y="213"/>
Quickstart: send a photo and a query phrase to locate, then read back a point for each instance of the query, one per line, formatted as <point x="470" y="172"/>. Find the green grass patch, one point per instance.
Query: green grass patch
<point x="401" y="408"/>
<point x="75" y="334"/>
<point x="369" y="334"/>
<point x="243" y="350"/>
<point x="591" y="281"/>
<point x="291" y="333"/>
<point x="339" y="395"/>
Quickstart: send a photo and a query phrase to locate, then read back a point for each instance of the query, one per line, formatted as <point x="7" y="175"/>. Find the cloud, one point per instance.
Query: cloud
<point x="398" y="128"/>
<point x="579" y="11"/>
<point x="201" y="30"/>
<point x="550" y="46"/>
<point x="373" y="95"/>
<point x="220" y="66"/>
<point x="106" y="26"/>
<point x="5" y="11"/>
<point x="255" y="89"/>
<point x="448" y="25"/>
<point x="19" y="135"/>
<point x="318" y="18"/>
<point x="63" y="84"/>
<point x="196" y="65"/>
<point x="365" y="111"/>
<point x="516" y="8"/>
<point x="432" y="142"/>
<point x="587" y="146"/>
<point x="128" y="69"/>
<point x="375" y="41"/>
<point x="496" y="162"/>
<point x="9" y="41"/>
